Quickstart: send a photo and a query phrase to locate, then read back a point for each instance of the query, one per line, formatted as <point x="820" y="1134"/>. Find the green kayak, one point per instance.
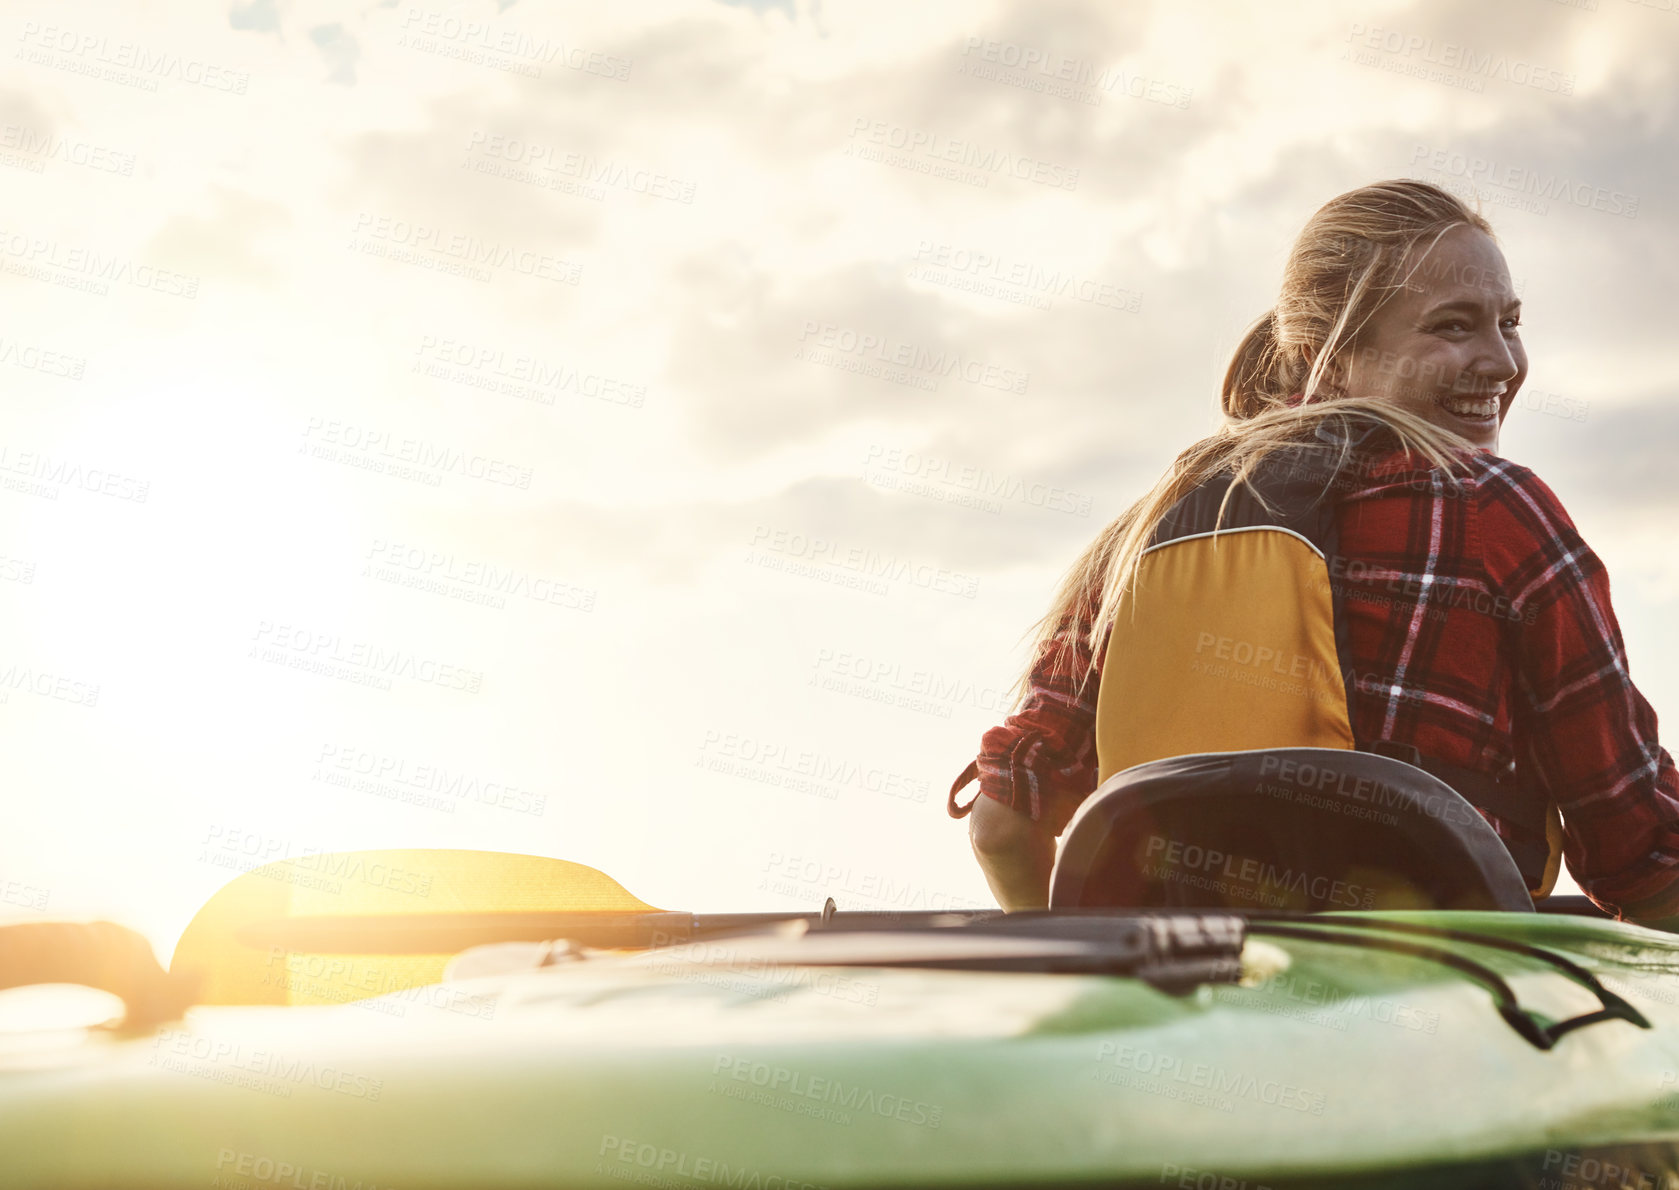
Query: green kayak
<point x="507" y="1028"/>
<point x="729" y="1063"/>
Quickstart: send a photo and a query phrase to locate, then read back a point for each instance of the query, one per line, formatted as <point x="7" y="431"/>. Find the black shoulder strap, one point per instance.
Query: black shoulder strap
<point x="1286" y="489"/>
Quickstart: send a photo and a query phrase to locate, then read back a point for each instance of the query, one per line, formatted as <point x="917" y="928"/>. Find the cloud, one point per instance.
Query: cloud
<point x="763" y="6"/>
<point x="228" y="242"/>
<point x="340" y="51"/>
<point x="418" y="173"/>
<point x="259" y="16"/>
<point x="21" y="110"/>
<point x="837" y="517"/>
<point x="736" y="299"/>
<point x="1620" y="458"/>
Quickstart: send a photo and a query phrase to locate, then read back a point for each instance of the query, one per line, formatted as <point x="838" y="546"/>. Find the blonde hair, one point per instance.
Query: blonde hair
<point x="1350" y="258"/>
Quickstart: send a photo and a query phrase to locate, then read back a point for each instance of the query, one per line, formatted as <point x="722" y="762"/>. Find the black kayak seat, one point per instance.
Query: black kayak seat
<point x="1283" y="829"/>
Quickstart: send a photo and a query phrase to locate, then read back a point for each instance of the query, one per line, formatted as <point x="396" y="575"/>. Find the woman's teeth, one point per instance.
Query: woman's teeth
<point x="1475" y="410"/>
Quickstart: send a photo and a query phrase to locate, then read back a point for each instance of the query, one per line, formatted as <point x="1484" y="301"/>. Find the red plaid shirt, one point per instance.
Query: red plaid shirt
<point x="1480" y="631"/>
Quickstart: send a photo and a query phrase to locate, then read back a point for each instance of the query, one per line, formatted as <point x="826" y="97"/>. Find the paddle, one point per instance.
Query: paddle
<point x="325" y="929"/>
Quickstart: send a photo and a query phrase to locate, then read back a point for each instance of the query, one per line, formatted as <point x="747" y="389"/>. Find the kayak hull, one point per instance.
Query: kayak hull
<point x="1332" y="1066"/>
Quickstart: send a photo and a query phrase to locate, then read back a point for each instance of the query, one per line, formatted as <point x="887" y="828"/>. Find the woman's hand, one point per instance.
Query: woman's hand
<point x="1015" y="853"/>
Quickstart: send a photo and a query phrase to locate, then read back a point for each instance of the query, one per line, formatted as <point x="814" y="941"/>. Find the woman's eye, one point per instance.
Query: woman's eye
<point x="1452" y="326"/>
<point x="1512" y="323"/>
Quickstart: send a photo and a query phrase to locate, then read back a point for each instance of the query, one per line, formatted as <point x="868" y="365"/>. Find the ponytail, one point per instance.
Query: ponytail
<point x="1250" y="377"/>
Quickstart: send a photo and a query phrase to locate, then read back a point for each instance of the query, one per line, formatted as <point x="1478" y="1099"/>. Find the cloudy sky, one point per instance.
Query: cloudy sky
<point x="642" y="433"/>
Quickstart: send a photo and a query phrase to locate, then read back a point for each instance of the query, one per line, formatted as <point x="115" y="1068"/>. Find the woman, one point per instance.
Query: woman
<point x="1478" y="622"/>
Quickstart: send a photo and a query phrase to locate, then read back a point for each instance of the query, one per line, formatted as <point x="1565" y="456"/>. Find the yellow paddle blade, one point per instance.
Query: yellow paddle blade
<point x="224" y="947"/>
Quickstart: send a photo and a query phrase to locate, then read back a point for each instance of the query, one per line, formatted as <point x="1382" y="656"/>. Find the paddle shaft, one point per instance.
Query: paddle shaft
<point x="448" y="933"/>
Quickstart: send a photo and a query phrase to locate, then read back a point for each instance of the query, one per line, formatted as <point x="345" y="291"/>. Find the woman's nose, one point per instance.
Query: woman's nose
<point x="1497" y="360"/>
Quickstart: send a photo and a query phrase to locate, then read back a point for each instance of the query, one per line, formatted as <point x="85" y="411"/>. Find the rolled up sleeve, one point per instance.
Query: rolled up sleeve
<point x="1041" y="760"/>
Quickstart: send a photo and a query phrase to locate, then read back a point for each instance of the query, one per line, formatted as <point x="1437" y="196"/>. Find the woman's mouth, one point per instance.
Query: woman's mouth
<point x="1479" y="410"/>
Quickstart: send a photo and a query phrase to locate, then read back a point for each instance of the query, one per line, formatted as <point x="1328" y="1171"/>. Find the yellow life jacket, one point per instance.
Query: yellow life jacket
<point x="1235" y="639"/>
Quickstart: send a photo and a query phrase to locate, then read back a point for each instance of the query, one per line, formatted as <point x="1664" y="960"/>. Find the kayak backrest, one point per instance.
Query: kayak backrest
<point x="1283" y="829"/>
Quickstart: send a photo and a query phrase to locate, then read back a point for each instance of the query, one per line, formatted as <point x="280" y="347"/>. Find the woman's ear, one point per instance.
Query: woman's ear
<point x="1333" y="382"/>
<point x="1335" y="376"/>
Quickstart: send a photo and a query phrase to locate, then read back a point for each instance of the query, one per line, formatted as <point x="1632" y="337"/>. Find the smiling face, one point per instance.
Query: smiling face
<point x="1446" y="346"/>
